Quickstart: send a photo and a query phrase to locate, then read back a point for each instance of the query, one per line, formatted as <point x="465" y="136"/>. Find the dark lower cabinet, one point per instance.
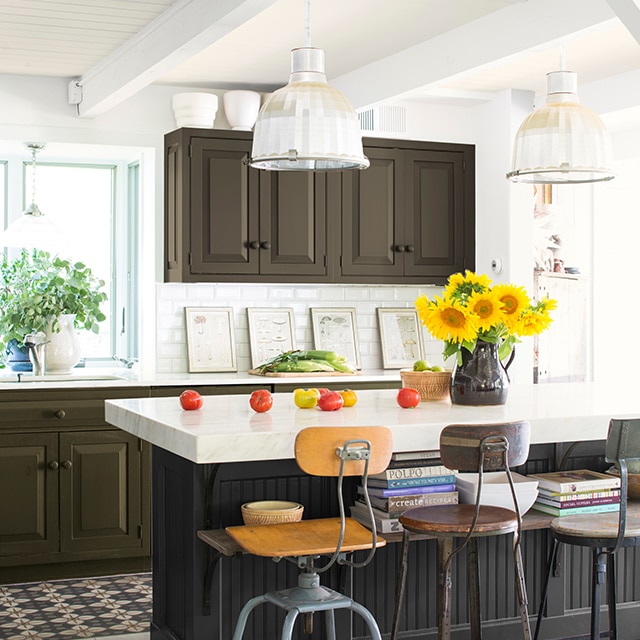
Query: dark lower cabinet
<point x="74" y="491"/>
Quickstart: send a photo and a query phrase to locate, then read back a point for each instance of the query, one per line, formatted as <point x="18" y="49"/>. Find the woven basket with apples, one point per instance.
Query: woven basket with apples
<point x="432" y="382"/>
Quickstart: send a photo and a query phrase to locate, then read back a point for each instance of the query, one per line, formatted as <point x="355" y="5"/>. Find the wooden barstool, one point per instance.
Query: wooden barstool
<point x="603" y="533"/>
<point x="332" y="452"/>
<point x="475" y="448"/>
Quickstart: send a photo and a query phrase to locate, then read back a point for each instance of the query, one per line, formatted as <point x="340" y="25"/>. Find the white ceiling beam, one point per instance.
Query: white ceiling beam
<point x="507" y="33"/>
<point x="185" y="29"/>
<point x="629" y="14"/>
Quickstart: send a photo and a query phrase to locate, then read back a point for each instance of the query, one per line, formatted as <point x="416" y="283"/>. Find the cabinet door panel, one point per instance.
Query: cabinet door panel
<point x="435" y="213"/>
<point x="224" y="208"/>
<point x="100" y="491"/>
<point x="28" y="494"/>
<point x="372" y="222"/>
<point x="293" y="218"/>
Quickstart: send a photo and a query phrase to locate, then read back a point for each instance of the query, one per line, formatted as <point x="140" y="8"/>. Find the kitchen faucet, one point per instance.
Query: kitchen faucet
<point x="35" y="344"/>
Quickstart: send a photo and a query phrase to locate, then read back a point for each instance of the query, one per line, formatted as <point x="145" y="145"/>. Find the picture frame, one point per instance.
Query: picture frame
<point x="335" y="329"/>
<point x="400" y="337"/>
<point x="271" y="331"/>
<point x="210" y="339"/>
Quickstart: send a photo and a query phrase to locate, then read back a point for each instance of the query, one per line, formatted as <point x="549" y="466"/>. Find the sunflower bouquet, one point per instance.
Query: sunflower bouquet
<point x="472" y="308"/>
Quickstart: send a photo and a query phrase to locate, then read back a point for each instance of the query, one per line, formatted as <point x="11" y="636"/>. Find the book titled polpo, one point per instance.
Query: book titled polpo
<point x="575" y="480"/>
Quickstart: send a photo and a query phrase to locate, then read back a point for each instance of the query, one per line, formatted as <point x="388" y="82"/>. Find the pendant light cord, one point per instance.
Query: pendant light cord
<point x="307" y="23"/>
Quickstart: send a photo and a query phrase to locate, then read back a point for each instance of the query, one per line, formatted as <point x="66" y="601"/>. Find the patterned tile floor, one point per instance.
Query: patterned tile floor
<point x="107" y="607"/>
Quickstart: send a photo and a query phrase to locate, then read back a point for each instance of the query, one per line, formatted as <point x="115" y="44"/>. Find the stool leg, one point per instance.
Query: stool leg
<point x="598" y="575"/>
<point x="330" y="622"/>
<point x="244" y="615"/>
<point x="367" y="616"/>
<point x="545" y="591"/>
<point x="445" y="547"/>
<point x="287" y="626"/>
<point x="611" y="596"/>
<point x="400" y="585"/>
<point x="521" y="588"/>
<point x="473" y="586"/>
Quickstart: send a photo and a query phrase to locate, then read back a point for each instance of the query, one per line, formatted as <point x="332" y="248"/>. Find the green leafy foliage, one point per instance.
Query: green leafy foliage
<point x="35" y="289"/>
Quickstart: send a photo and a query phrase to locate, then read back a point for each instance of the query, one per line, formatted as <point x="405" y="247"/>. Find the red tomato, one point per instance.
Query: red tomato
<point x="190" y="400"/>
<point x="323" y="390"/>
<point x="408" y="398"/>
<point x="261" y="400"/>
<point x="330" y="401"/>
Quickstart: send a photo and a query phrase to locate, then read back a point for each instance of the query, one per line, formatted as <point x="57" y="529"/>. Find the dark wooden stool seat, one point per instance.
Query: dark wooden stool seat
<point x="477" y="448"/>
<point x="442" y="520"/>
<point x="603" y="533"/>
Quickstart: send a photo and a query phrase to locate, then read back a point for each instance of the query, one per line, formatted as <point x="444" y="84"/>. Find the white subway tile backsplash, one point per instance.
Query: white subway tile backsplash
<point x="171" y="353"/>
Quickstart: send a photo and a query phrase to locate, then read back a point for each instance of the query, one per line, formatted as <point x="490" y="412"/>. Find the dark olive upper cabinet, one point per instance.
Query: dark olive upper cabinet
<point x="409" y="218"/>
<point x="229" y="222"/>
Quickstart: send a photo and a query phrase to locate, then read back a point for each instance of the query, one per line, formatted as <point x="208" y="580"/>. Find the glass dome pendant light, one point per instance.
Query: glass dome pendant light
<point x="307" y="125"/>
<point x="562" y="142"/>
<point x="32" y="230"/>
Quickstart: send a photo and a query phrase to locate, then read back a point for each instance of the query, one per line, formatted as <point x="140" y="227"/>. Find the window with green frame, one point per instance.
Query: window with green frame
<point x="95" y="205"/>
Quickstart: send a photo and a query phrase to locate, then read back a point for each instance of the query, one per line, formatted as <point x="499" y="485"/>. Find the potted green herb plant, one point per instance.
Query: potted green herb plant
<point x="36" y="290"/>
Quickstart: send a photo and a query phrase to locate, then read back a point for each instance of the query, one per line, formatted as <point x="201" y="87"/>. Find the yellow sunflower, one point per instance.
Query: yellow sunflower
<point x="514" y="301"/>
<point x="447" y="320"/>
<point x="488" y="308"/>
<point x="532" y="322"/>
<point x="460" y="287"/>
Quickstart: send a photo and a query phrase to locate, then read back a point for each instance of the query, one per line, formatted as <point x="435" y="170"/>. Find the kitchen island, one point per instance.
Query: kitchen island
<point x="206" y="463"/>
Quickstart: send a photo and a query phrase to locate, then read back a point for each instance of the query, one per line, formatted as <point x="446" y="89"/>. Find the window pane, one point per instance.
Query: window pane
<point x="79" y="199"/>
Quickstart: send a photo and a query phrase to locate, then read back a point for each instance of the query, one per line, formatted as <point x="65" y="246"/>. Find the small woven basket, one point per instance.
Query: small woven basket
<point x="432" y="385"/>
<point x="271" y="512"/>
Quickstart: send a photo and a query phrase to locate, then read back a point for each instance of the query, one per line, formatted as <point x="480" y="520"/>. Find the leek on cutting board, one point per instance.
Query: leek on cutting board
<point x="311" y="361"/>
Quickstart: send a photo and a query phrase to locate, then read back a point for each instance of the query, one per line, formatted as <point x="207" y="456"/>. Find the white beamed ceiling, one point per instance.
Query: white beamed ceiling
<point x="376" y="50"/>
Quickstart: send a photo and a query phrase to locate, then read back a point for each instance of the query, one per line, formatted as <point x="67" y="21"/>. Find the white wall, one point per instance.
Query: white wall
<point x="36" y="109"/>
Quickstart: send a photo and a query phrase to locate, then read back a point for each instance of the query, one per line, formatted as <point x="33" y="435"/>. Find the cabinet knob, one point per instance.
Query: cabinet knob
<point x="53" y="465"/>
<point x="409" y="248"/>
<point x="400" y="248"/>
<point x="265" y="245"/>
<point x="254" y="244"/>
<point x="60" y="414"/>
<point x="66" y="464"/>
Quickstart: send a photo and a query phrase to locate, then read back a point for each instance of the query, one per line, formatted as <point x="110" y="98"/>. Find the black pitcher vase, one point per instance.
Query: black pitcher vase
<point x="481" y="379"/>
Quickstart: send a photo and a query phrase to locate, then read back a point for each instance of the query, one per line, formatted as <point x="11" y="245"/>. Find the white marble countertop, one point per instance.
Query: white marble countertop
<point x="227" y="430"/>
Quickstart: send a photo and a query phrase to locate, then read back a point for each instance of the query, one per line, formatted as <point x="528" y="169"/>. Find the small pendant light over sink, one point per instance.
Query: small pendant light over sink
<point x="32" y="230"/>
<point x="307" y="125"/>
<point x="561" y="142"/>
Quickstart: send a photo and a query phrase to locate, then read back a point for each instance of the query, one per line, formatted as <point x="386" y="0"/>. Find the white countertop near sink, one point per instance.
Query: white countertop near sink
<point x="95" y="377"/>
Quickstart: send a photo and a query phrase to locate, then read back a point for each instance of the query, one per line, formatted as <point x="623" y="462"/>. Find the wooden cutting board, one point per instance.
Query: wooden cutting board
<point x="294" y="374"/>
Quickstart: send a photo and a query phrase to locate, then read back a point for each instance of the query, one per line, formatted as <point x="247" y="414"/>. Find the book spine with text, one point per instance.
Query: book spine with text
<point x="399" y="504"/>
<point x="406" y="491"/>
<point x="602" y="508"/>
<point x="394" y="509"/>
<point x="416" y="462"/>
<point x="579" y="495"/>
<point x="412" y="482"/>
<point x="575" y="504"/>
<point x="411" y="472"/>
<point x="383" y="525"/>
<point x="416" y="455"/>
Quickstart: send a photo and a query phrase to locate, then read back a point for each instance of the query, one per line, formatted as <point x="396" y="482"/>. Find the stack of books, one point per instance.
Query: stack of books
<point x="565" y="493"/>
<point x="413" y="479"/>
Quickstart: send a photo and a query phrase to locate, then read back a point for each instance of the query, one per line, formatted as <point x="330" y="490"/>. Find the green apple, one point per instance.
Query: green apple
<point x="421" y="365"/>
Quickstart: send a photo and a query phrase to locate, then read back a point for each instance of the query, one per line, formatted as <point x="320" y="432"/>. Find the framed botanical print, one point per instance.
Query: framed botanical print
<point x="210" y="339"/>
<point x="336" y="330"/>
<point x="400" y="337"/>
<point x="271" y="331"/>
